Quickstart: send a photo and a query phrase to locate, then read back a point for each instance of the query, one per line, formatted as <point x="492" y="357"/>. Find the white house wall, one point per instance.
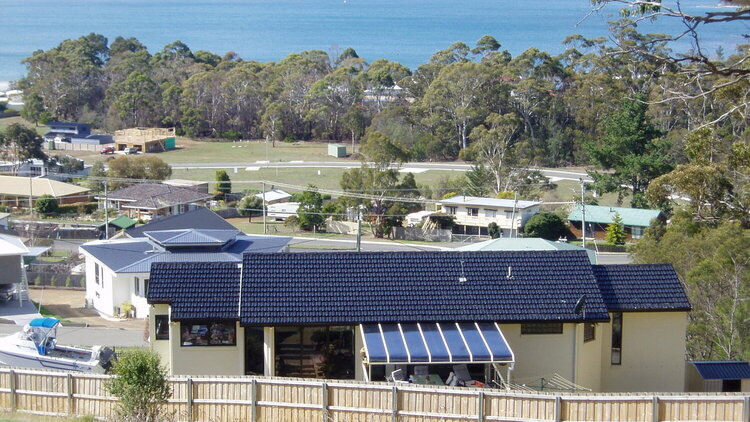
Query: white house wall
<point x="482" y="220"/>
<point x="540" y="355"/>
<point x="113" y="289"/>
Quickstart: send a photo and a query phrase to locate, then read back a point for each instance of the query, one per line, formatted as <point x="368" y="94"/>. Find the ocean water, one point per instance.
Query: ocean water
<point x="407" y="31"/>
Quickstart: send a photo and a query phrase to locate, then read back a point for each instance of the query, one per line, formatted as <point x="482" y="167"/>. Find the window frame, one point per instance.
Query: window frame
<point x="472" y="212"/>
<point x="450" y="210"/>
<point x="490" y="213"/>
<point x="208" y="325"/>
<point x="136" y="286"/>
<point x="96" y="273"/>
<point x="541" y="328"/>
<point x="616" y="347"/>
<point x="160" y="334"/>
<point x="589" y="331"/>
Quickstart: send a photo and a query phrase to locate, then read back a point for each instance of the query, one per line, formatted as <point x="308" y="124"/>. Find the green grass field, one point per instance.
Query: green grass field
<point x="246" y="152"/>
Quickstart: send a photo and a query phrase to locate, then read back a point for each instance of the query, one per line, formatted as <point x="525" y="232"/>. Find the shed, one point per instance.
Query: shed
<point x="718" y="376"/>
<point x="337" y="150"/>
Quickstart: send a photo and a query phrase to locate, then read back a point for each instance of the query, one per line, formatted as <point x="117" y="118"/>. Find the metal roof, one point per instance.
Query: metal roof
<point x="722" y="370"/>
<point x="488" y="202"/>
<point x="633" y="217"/>
<point x="192" y="237"/>
<point x="526" y="244"/>
<point x="37" y="186"/>
<point x="198" y="218"/>
<point x="274" y="195"/>
<point x="135" y="255"/>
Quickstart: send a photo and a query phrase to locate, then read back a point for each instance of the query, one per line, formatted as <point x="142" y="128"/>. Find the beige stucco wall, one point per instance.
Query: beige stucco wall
<point x="161" y="347"/>
<point x="207" y="360"/>
<point x="588" y="356"/>
<point x="540" y="355"/>
<point x="653" y="353"/>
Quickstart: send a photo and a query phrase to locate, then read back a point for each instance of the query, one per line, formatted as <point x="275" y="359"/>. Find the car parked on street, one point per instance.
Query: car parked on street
<point x="107" y="150"/>
<point x="130" y="150"/>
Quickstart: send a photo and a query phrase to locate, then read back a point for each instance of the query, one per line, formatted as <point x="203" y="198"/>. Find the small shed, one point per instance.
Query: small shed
<point x="337" y="150"/>
<point x="718" y="376"/>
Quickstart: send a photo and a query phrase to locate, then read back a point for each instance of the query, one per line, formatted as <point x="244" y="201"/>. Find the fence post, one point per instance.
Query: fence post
<point x="746" y="409"/>
<point x="324" y="400"/>
<point x="69" y="391"/>
<point x="655" y="409"/>
<point x="253" y="400"/>
<point x="558" y="409"/>
<point x="394" y="404"/>
<point x="12" y="374"/>
<point x="189" y="399"/>
<point x="480" y="407"/>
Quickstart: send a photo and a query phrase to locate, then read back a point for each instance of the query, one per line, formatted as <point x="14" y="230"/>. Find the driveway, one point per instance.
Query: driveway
<point x="68" y="305"/>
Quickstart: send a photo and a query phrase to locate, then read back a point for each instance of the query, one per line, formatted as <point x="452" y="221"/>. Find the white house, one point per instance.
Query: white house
<point x="117" y="270"/>
<point x="274" y="196"/>
<point x="473" y="214"/>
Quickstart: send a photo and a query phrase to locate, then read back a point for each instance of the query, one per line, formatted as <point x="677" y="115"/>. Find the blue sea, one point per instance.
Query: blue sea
<point x="407" y="31"/>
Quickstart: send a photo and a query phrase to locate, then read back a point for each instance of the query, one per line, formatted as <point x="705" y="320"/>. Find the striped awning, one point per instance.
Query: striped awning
<point x="420" y="343"/>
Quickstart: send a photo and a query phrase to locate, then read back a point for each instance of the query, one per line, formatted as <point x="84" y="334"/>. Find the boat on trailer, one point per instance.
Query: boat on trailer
<point x="36" y="347"/>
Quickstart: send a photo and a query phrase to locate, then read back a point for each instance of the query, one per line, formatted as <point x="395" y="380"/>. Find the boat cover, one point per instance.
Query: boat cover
<point x="455" y="342"/>
<point x="44" y="322"/>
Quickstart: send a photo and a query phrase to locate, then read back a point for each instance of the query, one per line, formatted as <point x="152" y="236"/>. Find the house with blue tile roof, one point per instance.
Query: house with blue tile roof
<point x="117" y="270"/>
<point x="511" y="317"/>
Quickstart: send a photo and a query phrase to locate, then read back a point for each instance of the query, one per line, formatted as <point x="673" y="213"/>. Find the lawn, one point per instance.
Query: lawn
<point x="249" y="152"/>
<point x="7" y="121"/>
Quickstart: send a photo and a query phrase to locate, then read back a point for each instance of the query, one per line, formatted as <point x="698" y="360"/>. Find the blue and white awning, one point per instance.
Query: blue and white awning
<point x="455" y="342"/>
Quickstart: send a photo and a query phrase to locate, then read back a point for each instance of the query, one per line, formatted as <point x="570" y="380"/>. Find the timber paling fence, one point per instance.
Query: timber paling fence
<point x="218" y="399"/>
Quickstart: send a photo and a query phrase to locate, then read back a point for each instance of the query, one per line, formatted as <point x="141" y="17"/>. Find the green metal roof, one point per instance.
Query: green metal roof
<point x="632" y="217"/>
<point x="525" y="244"/>
<point x="123" y="222"/>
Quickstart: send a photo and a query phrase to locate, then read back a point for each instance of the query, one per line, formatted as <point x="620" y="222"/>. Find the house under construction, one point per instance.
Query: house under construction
<point x="145" y="139"/>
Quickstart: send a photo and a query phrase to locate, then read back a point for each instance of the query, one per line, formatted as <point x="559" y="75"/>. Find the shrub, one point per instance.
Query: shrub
<point x="545" y="225"/>
<point x="45" y="205"/>
<point x="141" y="384"/>
<point x="69" y="282"/>
<point x="493" y="230"/>
<point x="615" y="234"/>
<point x="250" y="205"/>
<point x="38" y="280"/>
<point x="53" y="281"/>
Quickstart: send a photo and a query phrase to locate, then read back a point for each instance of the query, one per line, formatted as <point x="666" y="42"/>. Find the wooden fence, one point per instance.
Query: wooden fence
<point x="215" y="399"/>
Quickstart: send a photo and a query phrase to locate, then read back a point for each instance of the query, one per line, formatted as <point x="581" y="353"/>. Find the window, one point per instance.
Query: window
<point x="450" y="210"/>
<point x="161" y="328"/>
<point x="636" y="232"/>
<point x="508" y="214"/>
<point x="208" y="333"/>
<point x="542" y="328"/>
<point x="617" y="338"/>
<point x="137" y="286"/>
<point x="96" y="272"/>
<point x="318" y="352"/>
<point x="490" y="213"/>
<point x="145" y="287"/>
<point x="589" y="331"/>
<point x="473" y="212"/>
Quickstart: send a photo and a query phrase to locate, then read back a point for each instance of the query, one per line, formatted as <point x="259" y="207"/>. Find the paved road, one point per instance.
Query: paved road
<point x="551" y="173"/>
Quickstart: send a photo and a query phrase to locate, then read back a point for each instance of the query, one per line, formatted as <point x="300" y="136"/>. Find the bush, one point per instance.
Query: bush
<point x="38" y="280"/>
<point x="53" y="281"/>
<point x="250" y="205"/>
<point x="141" y="384"/>
<point x="45" y="205"/>
<point x="69" y="282"/>
<point x="545" y="225"/>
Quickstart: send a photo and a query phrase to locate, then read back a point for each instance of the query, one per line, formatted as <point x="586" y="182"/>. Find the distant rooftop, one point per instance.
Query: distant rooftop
<point x="604" y="215"/>
<point x="488" y="202"/>
<point x="199" y="218"/>
<point x="274" y="195"/>
<point x="526" y="244"/>
<point x="135" y="255"/>
<point x="156" y="196"/>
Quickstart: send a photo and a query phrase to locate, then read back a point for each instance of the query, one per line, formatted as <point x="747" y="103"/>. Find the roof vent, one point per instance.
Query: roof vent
<point x="462" y="279"/>
<point x="510" y="273"/>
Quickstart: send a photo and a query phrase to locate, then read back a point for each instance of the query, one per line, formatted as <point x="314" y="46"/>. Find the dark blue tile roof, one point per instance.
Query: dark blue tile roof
<point x="651" y="287"/>
<point x="199" y="218"/>
<point x="196" y="291"/>
<point x="350" y="288"/>
<point x="722" y="370"/>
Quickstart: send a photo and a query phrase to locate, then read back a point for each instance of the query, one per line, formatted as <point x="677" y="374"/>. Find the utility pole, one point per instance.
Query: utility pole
<point x="31" y="210"/>
<point x="106" y="212"/>
<point x="264" y="204"/>
<point x="513" y="215"/>
<point x="583" y="211"/>
<point x="359" y="230"/>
